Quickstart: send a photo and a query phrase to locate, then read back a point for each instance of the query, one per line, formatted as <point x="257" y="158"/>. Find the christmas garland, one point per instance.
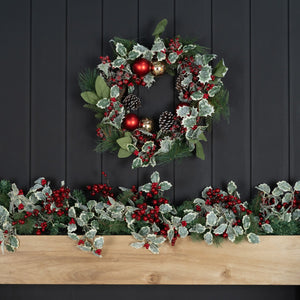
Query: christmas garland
<point x="108" y="91"/>
<point x="145" y="213"/>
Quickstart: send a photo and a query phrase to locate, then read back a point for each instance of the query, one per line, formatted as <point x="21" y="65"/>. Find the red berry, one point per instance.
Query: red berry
<point x="21" y="206"/>
<point x="98" y="251"/>
<point x="183" y="223"/>
<point x="146" y="245"/>
<point x="80" y="242"/>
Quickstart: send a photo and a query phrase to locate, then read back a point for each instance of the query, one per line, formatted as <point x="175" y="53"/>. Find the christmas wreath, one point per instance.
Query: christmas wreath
<point x="108" y="90"/>
<point x="145" y="213"/>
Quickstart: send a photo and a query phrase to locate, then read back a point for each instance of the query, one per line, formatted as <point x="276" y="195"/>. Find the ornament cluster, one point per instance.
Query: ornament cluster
<point x="109" y="91"/>
<point x="145" y="213"/>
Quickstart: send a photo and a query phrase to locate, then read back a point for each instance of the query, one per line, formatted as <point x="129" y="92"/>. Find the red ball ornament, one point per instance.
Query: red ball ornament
<point x="141" y="67"/>
<point x="131" y="122"/>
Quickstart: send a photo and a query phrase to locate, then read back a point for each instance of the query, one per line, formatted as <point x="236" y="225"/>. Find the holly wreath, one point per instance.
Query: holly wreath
<point x="108" y="90"/>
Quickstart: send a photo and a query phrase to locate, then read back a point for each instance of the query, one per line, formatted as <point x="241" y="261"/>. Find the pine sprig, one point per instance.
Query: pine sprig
<point x="87" y="80"/>
<point x="109" y="143"/>
<point x="221" y="104"/>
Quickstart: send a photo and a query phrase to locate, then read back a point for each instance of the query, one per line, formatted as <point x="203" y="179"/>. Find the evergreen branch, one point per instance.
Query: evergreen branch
<point x="87" y="80"/>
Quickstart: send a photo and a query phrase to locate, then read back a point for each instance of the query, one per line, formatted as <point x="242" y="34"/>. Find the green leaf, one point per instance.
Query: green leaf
<point x="123" y="153"/>
<point x="103" y="103"/>
<point x="101" y="88"/>
<point x="202" y="137"/>
<point x="220" y="70"/>
<point x="89" y="97"/>
<point x="155" y="177"/>
<point x="199" y="150"/>
<point x="253" y="238"/>
<point x="160" y="28"/>
<point x="124" y="141"/>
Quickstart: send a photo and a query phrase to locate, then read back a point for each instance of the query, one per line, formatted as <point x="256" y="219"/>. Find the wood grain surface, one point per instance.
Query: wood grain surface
<point x="56" y="260"/>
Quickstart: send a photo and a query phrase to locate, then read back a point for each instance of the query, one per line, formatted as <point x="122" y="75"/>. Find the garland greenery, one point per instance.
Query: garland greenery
<point x="109" y="92"/>
<point x="144" y="212"/>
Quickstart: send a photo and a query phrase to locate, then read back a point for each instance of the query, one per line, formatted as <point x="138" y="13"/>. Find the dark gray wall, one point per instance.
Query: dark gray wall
<point x="46" y="132"/>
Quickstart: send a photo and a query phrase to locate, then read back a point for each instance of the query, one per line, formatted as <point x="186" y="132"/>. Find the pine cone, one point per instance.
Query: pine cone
<point x="178" y="85"/>
<point x="166" y="121"/>
<point x="132" y="102"/>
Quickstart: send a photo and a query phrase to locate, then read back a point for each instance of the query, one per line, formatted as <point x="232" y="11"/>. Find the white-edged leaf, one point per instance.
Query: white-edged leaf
<point x="253" y="238"/>
<point x="165" y="185"/>
<point x="205" y="109"/>
<point x="154" y="249"/>
<point x="208" y="238"/>
<point x="231" y="187"/>
<point x="71" y="212"/>
<point x="155" y="177"/>
<point x="246" y="222"/>
<point x="137" y="245"/>
<point x="183" y="232"/>
<point x="284" y="186"/>
<point x="190" y="217"/>
<point x="165" y="208"/>
<point x="267" y="228"/>
<point x="220" y="229"/>
<point x="211" y="219"/>
<point x="98" y="242"/>
<point x="263" y="187"/>
<point x="297" y="186"/>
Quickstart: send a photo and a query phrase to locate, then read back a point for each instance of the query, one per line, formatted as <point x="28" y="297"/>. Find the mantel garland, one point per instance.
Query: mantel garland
<point x="145" y="213"/>
<point x="108" y="91"/>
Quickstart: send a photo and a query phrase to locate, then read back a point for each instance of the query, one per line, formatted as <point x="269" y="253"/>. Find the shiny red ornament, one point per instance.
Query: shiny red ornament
<point x="141" y="67"/>
<point x="131" y="122"/>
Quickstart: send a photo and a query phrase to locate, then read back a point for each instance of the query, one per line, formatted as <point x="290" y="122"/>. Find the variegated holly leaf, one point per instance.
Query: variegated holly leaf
<point x="137" y="162"/>
<point x="205" y="108"/>
<point x="246" y="222"/>
<point x="208" y="238"/>
<point x="220" y="229"/>
<point x="267" y="228"/>
<point x="155" y="177"/>
<point x="198" y="228"/>
<point x="284" y="186"/>
<point x="103" y="103"/>
<point x="205" y="74"/>
<point x="165" y="185"/>
<point x="114" y="91"/>
<point x="264" y="188"/>
<point x="231" y="187"/>
<point x="211" y="219"/>
<point x="121" y="49"/>
<point x="253" y="238"/>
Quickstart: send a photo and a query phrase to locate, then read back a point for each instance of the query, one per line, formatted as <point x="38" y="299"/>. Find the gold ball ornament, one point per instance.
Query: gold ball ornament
<point x="146" y="124"/>
<point x="158" y="68"/>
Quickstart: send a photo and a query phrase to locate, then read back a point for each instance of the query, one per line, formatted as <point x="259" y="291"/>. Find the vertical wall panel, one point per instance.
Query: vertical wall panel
<point x="48" y="89"/>
<point x="192" y="174"/>
<point x="269" y="90"/>
<point x="120" y="18"/>
<point x="294" y="46"/>
<point x="160" y="97"/>
<point x="15" y="90"/>
<point x="231" y="142"/>
<point x="84" y="36"/>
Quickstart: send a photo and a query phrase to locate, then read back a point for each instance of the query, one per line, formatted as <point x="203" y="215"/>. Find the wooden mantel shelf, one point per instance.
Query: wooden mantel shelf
<point x="55" y="260"/>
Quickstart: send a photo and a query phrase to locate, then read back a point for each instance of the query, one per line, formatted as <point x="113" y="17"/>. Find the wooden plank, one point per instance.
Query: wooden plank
<point x="269" y="91"/>
<point x="83" y="49"/>
<point x="193" y="173"/>
<point x="119" y="170"/>
<point x="48" y="90"/>
<point x="276" y="260"/>
<point x="160" y="97"/>
<point x="15" y="90"/>
<point x="294" y="66"/>
<point x="231" y="141"/>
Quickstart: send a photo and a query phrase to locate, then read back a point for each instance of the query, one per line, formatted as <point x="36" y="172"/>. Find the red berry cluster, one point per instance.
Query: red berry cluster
<point x="175" y="45"/>
<point x="58" y="198"/>
<point x="28" y="214"/>
<point x="111" y="108"/>
<point x="188" y="65"/>
<point x="42" y="228"/>
<point x="164" y="233"/>
<point x="103" y="189"/>
<point x="100" y="133"/>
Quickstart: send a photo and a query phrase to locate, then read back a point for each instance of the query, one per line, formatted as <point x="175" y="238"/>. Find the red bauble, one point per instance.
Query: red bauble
<point x="141" y="67"/>
<point x="131" y="122"/>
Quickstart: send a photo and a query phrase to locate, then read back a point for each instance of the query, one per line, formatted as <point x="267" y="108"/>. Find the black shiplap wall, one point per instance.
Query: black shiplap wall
<point x="46" y="132"/>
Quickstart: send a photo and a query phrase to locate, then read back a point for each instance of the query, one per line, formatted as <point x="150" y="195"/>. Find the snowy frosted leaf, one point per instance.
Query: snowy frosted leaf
<point x="287" y="217"/>
<point x="183" y="111"/>
<point x="197" y="95"/>
<point x="220" y="229"/>
<point x="155" y="177"/>
<point x="165" y="185"/>
<point x="95" y="224"/>
<point x="159" y="240"/>
<point x="246" y="222"/>
<point x="267" y="228"/>
<point x="165" y="208"/>
<point x="283" y="185"/>
<point x="144" y="231"/>
<point x="183" y="232"/>
<point x="118" y="62"/>
<point x="14" y="242"/>
<point x="140" y="49"/>
<point x="72" y="227"/>
<point x="155" y="228"/>
<point x="166" y="145"/>
<point x="238" y="230"/>
<point x="287" y="198"/>
<point x="98" y="242"/>
<point x="85" y="248"/>
<point x="296" y="214"/>
<point x="137" y="236"/>
<point x="73" y="236"/>
<point x="190" y="217"/>
<point x="91" y="233"/>
<point x="231" y="187"/>
<point x="212" y="92"/>
<point x="137" y="245"/>
<point x="264" y="188"/>
<point x="198" y="228"/>
<point x="114" y="91"/>
<point x="149" y="79"/>
<point x="277" y="192"/>
<point x="187" y="80"/>
<point x="71" y="212"/>
<point x="137" y="162"/>
<point x="208" y="238"/>
<point x="205" y="109"/>
<point x="297" y="186"/>
<point x="132" y="55"/>
<point x="91" y="204"/>
<point x="170" y="234"/>
<point x="253" y="238"/>
<point x="158" y="45"/>
<point x="172" y="57"/>
<point x="103" y="103"/>
<point x="231" y="233"/>
<point x="205" y="74"/>
<point x="188" y="47"/>
<point x="154" y="249"/>
<point x="189" y="122"/>
<point x="104" y="68"/>
<point x="211" y="219"/>
<point x="145" y="188"/>
<point x="161" y="56"/>
<point x="3" y="215"/>
<point x="147" y="146"/>
<point x="121" y="49"/>
<point x="206" y="58"/>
